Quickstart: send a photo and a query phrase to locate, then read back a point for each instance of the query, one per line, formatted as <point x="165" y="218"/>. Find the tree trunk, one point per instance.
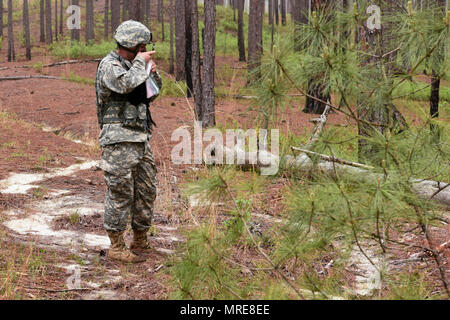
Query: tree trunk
<point x="171" y="58"/>
<point x="56" y="20"/>
<point x="196" y="78"/>
<point x="434" y="96"/>
<point x="158" y="8"/>
<point x="271" y="12"/>
<point x="283" y="12"/>
<point x="314" y="106"/>
<point x="41" y="20"/>
<point x="255" y="40"/>
<point x="26" y="29"/>
<point x="75" y="33"/>
<point x="61" y="5"/>
<point x="90" y="20"/>
<point x="276" y="11"/>
<point x="142" y="11"/>
<point x="188" y="35"/>
<point x="106" y="20"/>
<point x="115" y="15"/>
<point x="435" y="78"/>
<point x="241" y="40"/>
<point x="161" y="12"/>
<point x="180" y="39"/>
<point x="147" y="12"/>
<point x="1" y="18"/>
<point x="11" y="51"/>
<point x="125" y="10"/>
<point x="48" y="22"/>
<point x="208" y="103"/>
<point x="135" y="10"/>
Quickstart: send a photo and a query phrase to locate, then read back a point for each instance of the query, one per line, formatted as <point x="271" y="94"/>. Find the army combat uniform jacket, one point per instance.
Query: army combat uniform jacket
<point x="127" y="160"/>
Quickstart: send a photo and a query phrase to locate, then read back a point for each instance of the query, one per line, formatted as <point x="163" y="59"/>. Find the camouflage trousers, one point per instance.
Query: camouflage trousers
<point x="130" y="176"/>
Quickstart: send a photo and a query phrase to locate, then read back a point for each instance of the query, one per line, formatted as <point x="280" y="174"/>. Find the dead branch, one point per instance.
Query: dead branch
<point x="334" y="159"/>
<point x="57" y="290"/>
<point x="29" y="77"/>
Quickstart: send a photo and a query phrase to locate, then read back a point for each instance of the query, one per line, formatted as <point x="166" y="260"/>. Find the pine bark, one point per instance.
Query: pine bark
<point x="271" y="12"/>
<point x="42" y="21"/>
<point x="26" y="29"/>
<point x="180" y="39"/>
<point x="276" y="11"/>
<point x="241" y="40"/>
<point x="61" y="6"/>
<point x="115" y="14"/>
<point x="1" y="18"/>
<point x="90" y="20"/>
<point x="106" y="20"/>
<point x="208" y="103"/>
<point x="159" y="8"/>
<point x="56" y="20"/>
<point x="147" y="11"/>
<point x="161" y="12"/>
<point x="125" y="10"/>
<point x="283" y="12"/>
<point x="188" y="57"/>
<point x="196" y="78"/>
<point x="171" y="58"/>
<point x="48" y="22"/>
<point x="75" y="33"/>
<point x="255" y="40"/>
<point x="435" y="79"/>
<point x="11" y="50"/>
<point x="135" y="10"/>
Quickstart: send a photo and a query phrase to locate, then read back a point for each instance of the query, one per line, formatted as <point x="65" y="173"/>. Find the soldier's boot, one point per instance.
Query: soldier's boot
<point x="140" y="243"/>
<point x="119" y="251"/>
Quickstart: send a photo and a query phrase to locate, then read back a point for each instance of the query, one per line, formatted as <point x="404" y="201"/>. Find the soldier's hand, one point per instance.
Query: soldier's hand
<point x="146" y="55"/>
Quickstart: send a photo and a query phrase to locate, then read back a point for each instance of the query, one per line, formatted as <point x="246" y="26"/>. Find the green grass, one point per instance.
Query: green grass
<point x="78" y="79"/>
<point x="67" y="49"/>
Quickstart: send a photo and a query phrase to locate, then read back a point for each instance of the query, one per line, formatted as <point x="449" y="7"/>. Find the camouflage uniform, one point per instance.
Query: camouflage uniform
<point x="127" y="160"/>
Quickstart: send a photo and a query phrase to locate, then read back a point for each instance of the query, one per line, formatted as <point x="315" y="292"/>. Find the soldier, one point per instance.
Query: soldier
<point x="125" y="122"/>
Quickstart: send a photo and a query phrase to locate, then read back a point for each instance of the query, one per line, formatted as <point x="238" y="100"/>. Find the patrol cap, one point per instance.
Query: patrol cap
<point x="130" y="33"/>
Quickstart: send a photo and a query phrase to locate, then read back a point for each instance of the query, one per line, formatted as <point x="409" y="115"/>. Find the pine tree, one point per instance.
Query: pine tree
<point x="171" y="55"/>
<point x="106" y="21"/>
<point x="11" y="50"/>
<point x="48" y="22"/>
<point x="61" y="6"/>
<point x="208" y="101"/>
<point x="89" y="20"/>
<point x="135" y="10"/>
<point x="115" y="15"/>
<point x="26" y="29"/>
<point x="42" y="20"/>
<point x="180" y="39"/>
<point x="125" y="7"/>
<point x="75" y="33"/>
<point x="56" y="20"/>
<point x="241" y="41"/>
<point x="188" y="55"/>
<point x="254" y="39"/>
<point x="1" y="18"/>
<point x="196" y="74"/>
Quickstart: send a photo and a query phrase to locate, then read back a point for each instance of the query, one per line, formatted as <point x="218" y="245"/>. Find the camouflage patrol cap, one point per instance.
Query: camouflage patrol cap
<point x="131" y="33"/>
